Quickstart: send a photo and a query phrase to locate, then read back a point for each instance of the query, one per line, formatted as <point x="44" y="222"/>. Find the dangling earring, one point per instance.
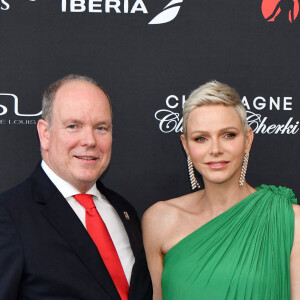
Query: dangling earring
<point x="194" y="182"/>
<point x="244" y="169"/>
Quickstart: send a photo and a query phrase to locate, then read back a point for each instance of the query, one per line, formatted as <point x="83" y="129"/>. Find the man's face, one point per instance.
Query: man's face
<point x="77" y="145"/>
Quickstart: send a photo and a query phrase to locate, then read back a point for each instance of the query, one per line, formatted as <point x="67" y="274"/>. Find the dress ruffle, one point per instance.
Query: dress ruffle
<point x="280" y="190"/>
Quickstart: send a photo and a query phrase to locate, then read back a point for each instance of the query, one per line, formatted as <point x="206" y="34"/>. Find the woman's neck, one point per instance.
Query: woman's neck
<point x="217" y="198"/>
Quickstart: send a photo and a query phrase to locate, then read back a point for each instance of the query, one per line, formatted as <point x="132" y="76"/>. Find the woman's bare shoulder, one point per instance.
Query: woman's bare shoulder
<point x="295" y="257"/>
<point x="159" y="211"/>
<point x="296" y="244"/>
<point x="296" y="209"/>
<point x="166" y="212"/>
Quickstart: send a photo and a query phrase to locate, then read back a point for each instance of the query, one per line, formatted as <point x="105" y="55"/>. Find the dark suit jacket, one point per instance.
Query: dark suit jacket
<point x="46" y="253"/>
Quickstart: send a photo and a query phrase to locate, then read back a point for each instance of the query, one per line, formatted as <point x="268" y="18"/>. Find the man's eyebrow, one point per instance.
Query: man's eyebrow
<point x="71" y="121"/>
<point x="76" y="121"/>
<point x="108" y="123"/>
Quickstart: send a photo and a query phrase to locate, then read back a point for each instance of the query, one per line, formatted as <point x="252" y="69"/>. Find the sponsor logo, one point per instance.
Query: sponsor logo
<point x="104" y="6"/>
<point x="170" y="118"/>
<point x="169" y="12"/>
<point x="280" y="11"/>
<point x="4" y="5"/>
<point x="16" y="117"/>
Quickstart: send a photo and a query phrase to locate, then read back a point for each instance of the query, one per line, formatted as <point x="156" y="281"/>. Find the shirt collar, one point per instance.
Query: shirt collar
<point x="65" y="188"/>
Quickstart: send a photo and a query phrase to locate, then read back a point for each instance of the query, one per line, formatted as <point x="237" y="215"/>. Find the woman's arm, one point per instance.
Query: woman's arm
<point x="153" y="237"/>
<point x="295" y="257"/>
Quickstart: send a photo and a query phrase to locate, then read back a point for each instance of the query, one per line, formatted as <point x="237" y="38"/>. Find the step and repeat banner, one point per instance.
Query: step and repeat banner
<point x="149" y="55"/>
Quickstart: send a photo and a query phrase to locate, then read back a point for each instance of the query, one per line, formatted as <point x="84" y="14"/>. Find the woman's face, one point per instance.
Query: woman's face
<point x="216" y="142"/>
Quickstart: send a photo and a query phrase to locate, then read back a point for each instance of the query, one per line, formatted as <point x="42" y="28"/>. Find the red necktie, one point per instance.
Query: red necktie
<point x="100" y="235"/>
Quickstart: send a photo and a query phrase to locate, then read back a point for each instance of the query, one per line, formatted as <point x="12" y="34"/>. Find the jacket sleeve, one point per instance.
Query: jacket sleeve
<point x="11" y="257"/>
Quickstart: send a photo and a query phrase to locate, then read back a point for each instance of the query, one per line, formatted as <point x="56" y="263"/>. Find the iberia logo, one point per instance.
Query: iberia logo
<point x="128" y="7"/>
<point x="168" y="14"/>
<point x="280" y="11"/>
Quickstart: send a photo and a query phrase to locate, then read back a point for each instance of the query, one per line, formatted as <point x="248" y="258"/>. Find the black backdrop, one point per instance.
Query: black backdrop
<point x="148" y="69"/>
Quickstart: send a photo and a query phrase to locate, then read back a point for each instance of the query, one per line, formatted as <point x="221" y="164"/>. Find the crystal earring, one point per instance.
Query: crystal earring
<point x="244" y="169"/>
<point x="194" y="182"/>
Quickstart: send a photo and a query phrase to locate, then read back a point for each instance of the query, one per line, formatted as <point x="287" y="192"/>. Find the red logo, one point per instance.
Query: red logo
<point x="280" y="11"/>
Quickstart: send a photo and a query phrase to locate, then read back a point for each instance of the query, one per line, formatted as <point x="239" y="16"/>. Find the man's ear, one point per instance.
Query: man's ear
<point x="43" y="129"/>
<point x="185" y="144"/>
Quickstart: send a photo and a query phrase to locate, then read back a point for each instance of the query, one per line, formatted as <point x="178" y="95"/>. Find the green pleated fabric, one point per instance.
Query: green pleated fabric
<point x="242" y="254"/>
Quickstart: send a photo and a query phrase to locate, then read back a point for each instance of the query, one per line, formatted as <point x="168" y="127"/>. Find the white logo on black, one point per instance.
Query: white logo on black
<point x="4" y="5"/>
<point x="168" y="14"/>
<point x="16" y="106"/>
<point x="170" y="118"/>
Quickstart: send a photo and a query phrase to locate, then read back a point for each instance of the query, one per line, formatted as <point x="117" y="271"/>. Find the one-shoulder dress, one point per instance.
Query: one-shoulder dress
<point x="242" y="254"/>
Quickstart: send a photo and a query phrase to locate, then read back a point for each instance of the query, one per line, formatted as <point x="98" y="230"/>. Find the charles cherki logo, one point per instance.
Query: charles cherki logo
<point x="280" y="11"/>
<point x="170" y="117"/>
<point x="169" y="12"/>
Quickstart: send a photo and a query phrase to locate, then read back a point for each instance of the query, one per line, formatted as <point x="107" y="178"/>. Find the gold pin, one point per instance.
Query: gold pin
<point x="126" y="215"/>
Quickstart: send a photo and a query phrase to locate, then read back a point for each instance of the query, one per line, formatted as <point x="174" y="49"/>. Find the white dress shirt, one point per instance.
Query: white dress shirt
<point x="108" y="214"/>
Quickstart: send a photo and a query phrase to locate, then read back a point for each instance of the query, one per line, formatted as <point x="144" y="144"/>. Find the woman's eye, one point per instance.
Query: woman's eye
<point x="200" y="139"/>
<point x="230" y="135"/>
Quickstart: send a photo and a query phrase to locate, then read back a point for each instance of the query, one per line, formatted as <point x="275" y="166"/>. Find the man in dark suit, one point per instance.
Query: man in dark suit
<point x="50" y="245"/>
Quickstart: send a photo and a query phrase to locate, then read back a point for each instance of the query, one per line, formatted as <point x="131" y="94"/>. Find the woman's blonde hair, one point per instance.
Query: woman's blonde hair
<point x="212" y="93"/>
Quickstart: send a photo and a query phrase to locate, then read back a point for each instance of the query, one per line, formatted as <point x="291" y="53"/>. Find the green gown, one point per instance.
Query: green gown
<point x="242" y="254"/>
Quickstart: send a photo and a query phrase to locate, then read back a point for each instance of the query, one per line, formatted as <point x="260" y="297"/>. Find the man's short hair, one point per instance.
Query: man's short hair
<point x="50" y="93"/>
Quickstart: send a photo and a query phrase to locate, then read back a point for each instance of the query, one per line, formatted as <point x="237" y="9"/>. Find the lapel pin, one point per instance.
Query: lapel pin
<point x="126" y="215"/>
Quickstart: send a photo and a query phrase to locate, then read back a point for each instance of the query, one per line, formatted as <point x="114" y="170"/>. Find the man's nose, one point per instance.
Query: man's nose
<point x="88" y="138"/>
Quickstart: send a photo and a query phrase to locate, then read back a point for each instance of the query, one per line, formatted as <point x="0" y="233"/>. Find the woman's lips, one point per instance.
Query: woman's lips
<point x="217" y="164"/>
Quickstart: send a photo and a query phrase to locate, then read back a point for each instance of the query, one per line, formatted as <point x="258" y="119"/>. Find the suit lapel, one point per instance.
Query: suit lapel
<point x="61" y="216"/>
<point x="127" y="219"/>
<point x="140" y="284"/>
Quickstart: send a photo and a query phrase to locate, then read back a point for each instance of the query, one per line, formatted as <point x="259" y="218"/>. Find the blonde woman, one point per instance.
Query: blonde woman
<point x="228" y="240"/>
